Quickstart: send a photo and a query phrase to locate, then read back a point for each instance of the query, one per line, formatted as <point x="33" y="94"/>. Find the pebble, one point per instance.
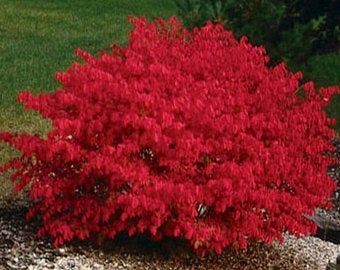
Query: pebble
<point x="317" y="251"/>
<point x="20" y="249"/>
<point x="24" y="251"/>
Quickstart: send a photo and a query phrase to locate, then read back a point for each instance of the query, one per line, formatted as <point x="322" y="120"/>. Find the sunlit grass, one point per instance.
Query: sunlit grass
<point x="38" y="38"/>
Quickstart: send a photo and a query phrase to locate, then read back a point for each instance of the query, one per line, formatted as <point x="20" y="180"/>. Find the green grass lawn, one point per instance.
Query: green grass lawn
<point x="38" y="37"/>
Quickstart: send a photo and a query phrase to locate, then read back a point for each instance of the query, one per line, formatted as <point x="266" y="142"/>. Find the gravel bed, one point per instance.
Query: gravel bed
<point x="20" y="249"/>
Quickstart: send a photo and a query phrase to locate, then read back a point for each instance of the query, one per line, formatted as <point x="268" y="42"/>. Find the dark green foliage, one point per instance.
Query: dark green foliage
<point x="324" y="70"/>
<point x="290" y="30"/>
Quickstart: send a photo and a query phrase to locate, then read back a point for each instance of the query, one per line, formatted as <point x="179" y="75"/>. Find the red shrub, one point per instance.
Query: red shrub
<point x="183" y="134"/>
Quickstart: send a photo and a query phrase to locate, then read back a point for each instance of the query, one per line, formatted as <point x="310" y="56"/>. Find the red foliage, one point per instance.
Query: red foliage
<point x="180" y="134"/>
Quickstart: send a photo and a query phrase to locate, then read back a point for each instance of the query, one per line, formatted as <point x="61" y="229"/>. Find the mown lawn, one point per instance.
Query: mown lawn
<point x="38" y="37"/>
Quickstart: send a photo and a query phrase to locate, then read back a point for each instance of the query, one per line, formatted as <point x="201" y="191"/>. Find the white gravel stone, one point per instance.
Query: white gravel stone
<point x="318" y="252"/>
<point x="315" y="251"/>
